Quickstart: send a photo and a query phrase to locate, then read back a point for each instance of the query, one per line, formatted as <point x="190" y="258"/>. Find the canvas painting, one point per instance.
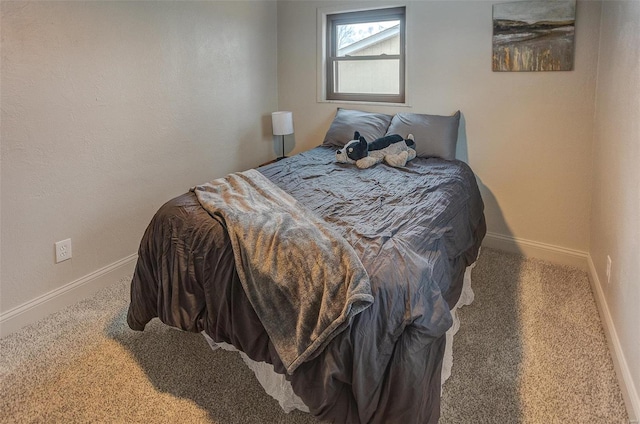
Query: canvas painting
<point x="533" y="35"/>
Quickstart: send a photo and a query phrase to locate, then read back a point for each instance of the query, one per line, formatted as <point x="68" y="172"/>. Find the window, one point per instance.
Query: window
<point x="365" y="56"/>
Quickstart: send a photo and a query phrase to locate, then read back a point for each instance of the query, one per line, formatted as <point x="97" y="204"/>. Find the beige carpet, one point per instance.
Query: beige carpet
<point x="530" y="350"/>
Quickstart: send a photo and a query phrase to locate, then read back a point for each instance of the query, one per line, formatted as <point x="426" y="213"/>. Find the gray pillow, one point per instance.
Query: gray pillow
<point x="370" y="125"/>
<point x="434" y="135"/>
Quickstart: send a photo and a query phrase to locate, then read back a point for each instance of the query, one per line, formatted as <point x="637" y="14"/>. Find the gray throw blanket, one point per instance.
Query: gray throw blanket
<point x="304" y="281"/>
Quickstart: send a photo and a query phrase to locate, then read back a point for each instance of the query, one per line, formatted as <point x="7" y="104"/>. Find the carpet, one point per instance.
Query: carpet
<point x="530" y="349"/>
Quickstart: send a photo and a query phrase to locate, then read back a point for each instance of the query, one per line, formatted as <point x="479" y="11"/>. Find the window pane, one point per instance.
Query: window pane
<point x="370" y="38"/>
<point x="367" y="76"/>
<point x="365" y="55"/>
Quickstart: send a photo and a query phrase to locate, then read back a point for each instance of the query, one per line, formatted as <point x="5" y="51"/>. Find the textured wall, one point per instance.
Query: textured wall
<point x="111" y="108"/>
<point x="615" y="221"/>
<point x="527" y="135"/>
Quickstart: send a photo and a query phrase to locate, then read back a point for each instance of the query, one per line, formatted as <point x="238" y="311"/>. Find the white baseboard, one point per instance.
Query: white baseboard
<point x="535" y="249"/>
<point x="627" y="386"/>
<point x="29" y="312"/>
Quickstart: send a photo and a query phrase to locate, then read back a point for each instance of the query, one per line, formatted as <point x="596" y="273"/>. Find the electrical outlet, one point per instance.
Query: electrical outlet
<point x="63" y="250"/>
<point x="608" y="269"/>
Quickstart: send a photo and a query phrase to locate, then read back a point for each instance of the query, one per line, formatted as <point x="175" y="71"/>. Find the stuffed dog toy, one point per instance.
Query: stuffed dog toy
<point x="393" y="149"/>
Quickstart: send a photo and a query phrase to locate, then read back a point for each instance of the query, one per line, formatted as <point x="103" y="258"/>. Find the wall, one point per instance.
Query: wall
<point x="109" y="109"/>
<point x="615" y="220"/>
<point x="526" y="135"/>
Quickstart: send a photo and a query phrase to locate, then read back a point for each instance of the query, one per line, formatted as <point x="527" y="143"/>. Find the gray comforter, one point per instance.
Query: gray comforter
<point x="414" y="229"/>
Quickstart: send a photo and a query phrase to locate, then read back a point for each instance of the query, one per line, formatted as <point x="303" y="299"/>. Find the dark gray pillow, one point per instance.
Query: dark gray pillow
<point x="370" y="125"/>
<point x="434" y="135"/>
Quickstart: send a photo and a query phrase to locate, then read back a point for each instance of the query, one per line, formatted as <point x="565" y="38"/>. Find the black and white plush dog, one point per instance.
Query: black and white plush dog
<point x="393" y="149"/>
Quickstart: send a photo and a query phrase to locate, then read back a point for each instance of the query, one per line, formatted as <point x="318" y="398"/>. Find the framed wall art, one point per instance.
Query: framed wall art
<point x="533" y="35"/>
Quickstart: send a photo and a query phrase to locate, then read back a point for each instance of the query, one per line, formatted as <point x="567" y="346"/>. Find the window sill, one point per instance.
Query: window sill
<point x="354" y="102"/>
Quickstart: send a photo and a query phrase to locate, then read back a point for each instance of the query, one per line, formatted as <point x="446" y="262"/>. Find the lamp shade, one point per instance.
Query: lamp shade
<point x="282" y="123"/>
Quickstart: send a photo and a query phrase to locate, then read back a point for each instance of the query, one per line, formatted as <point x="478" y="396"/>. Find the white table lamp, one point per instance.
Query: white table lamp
<point x="282" y="123"/>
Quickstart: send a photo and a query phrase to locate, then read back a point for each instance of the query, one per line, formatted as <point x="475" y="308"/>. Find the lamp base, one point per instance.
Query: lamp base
<point x="281" y="157"/>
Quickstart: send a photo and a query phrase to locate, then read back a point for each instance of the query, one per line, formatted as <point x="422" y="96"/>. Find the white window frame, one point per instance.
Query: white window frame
<point x="324" y="61"/>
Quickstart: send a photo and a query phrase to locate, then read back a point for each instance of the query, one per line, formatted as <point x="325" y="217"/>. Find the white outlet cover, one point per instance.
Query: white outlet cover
<point x="63" y="250"/>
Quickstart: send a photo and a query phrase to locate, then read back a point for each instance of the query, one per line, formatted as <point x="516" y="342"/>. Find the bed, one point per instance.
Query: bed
<point x="413" y="230"/>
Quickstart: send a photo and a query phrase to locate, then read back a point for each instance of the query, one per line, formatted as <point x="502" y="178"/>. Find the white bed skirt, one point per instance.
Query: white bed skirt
<point x="466" y="298"/>
<point x="277" y="386"/>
